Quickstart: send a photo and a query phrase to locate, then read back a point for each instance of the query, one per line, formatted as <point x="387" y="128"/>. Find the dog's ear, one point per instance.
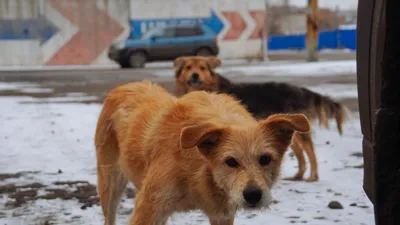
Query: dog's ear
<point x="213" y="61"/>
<point x="206" y="137"/>
<point x="178" y="64"/>
<point x="283" y="126"/>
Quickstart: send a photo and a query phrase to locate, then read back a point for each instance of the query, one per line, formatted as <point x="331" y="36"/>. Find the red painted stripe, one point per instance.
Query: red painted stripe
<point x="96" y="31"/>
<point x="259" y="18"/>
<point x="238" y="25"/>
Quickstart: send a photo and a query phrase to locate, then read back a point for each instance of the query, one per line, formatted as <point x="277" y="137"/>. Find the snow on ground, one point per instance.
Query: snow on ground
<point x="17" y="86"/>
<point x="286" y="68"/>
<point x="303" y="51"/>
<point x="256" y="68"/>
<point x="337" y="91"/>
<point x="113" y="65"/>
<point x="163" y="68"/>
<point x="61" y="99"/>
<point x="309" y="69"/>
<point x="46" y="67"/>
<point x="55" y="137"/>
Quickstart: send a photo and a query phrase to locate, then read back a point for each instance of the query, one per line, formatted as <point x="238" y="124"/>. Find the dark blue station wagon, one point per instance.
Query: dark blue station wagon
<point x="165" y="43"/>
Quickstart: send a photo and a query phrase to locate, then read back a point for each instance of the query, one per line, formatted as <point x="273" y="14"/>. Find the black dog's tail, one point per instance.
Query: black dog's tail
<point x="324" y="108"/>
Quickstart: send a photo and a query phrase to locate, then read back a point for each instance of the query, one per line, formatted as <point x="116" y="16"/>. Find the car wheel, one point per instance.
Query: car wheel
<point x="137" y="59"/>
<point x="125" y="64"/>
<point x="204" y="52"/>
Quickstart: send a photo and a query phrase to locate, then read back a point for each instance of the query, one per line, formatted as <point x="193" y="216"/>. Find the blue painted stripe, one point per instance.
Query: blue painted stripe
<point x="327" y="39"/>
<point x="141" y="26"/>
<point x="27" y="29"/>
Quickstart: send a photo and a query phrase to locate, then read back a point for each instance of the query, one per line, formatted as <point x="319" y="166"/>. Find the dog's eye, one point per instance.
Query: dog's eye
<point x="188" y="67"/>
<point x="264" y="160"/>
<point x="202" y="68"/>
<point x="231" y="162"/>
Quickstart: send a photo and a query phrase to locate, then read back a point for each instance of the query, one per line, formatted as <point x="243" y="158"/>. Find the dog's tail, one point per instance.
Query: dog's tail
<point x="324" y="108"/>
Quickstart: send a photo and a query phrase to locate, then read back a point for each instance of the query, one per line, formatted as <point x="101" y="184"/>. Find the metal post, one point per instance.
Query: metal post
<point x="337" y="27"/>
<point x="312" y="31"/>
<point x="264" y="45"/>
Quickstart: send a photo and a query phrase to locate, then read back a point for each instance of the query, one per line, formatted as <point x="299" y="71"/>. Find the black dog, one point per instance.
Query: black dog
<point x="264" y="99"/>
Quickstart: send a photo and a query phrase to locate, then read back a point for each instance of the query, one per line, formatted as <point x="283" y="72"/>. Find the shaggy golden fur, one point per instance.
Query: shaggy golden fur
<point x="203" y="151"/>
<point x="195" y="73"/>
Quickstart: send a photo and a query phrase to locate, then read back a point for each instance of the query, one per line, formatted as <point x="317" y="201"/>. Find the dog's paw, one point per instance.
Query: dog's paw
<point x="295" y="178"/>
<point x="312" y="179"/>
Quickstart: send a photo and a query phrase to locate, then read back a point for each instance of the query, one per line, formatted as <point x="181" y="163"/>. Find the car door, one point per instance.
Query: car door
<point x="161" y="44"/>
<point x="189" y="39"/>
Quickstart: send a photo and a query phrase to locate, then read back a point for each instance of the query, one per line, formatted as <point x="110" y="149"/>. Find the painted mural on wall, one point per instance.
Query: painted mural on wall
<point x="80" y="32"/>
<point x="236" y="22"/>
<point x="239" y="25"/>
<point x="57" y="32"/>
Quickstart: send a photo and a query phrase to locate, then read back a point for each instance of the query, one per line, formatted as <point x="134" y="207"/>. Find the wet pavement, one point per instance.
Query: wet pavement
<point x="64" y="83"/>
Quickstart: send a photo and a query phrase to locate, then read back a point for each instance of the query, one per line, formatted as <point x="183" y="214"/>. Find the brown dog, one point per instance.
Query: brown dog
<point x="196" y="73"/>
<point x="202" y="151"/>
<point x="263" y="99"/>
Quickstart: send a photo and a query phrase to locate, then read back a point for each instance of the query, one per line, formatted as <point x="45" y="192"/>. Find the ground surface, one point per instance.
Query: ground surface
<point x="47" y="158"/>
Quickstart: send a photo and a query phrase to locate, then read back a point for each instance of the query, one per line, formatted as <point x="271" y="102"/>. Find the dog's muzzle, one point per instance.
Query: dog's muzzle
<point x="252" y="194"/>
<point x="194" y="79"/>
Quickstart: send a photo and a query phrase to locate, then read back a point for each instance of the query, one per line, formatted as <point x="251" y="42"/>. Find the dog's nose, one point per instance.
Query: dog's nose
<point x="195" y="77"/>
<point x="252" y="194"/>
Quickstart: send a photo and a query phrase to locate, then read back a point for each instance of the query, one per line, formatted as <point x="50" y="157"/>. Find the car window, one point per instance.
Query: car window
<point x="168" y="32"/>
<point x="159" y="33"/>
<point x="199" y="31"/>
<point x="153" y="32"/>
<point x="188" y="31"/>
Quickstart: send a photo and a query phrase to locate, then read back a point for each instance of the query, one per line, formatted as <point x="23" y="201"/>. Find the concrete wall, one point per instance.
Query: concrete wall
<point x="60" y="32"/>
<point x="292" y="24"/>
<point x="79" y="32"/>
<point x="18" y="49"/>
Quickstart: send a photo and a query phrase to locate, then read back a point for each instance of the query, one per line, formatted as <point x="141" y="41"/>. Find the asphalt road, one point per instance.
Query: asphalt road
<point x="97" y="82"/>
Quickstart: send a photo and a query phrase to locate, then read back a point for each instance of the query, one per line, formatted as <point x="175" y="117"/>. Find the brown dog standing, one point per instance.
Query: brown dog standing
<point x="194" y="73"/>
<point x="202" y="151"/>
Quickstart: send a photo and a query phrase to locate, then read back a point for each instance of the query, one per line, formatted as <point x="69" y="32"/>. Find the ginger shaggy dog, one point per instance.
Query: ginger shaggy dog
<point x="203" y="151"/>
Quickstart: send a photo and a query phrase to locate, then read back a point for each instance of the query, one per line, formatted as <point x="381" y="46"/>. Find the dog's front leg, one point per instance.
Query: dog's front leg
<point x="148" y="214"/>
<point x="149" y="207"/>
<point x="225" y="221"/>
